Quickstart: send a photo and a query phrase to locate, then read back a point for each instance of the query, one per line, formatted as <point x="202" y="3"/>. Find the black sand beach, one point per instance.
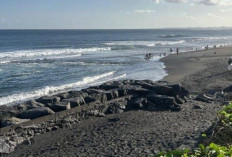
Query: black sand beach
<point x="143" y="132"/>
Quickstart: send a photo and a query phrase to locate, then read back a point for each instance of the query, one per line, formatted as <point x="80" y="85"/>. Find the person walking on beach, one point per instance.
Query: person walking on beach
<point x="177" y="51"/>
<point x="171" y="50"/>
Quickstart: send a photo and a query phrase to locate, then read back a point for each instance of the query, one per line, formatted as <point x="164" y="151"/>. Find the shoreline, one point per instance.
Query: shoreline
<point x="177" y="123"/>
<point x="184" y="67"/>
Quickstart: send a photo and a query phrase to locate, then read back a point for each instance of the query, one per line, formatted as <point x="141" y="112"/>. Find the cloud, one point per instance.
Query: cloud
<point x="204" y="2"/>
<point x="175" y="1"/>
<point x="171" y="1"/>
<point x="144" y="11"/>
<point x="214" y="2"/>
<point x="225" y="10"/>
<point x="213" y="15"/>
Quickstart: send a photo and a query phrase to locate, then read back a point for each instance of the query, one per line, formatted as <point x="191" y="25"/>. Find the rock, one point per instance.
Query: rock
<point x="162" y="102"/>
<point x="116" y="107"/>
<point x="36" y="113"/>
<point x="122" y="92"/>
<point x="109" y="86"/>
<point x="228" y="89"/>
<point x="89" y="99"/>
<point x="101" y="114"/>
<point x="96" y="113"/>
<point x="55" y="128"/>
<point x="197" y="106"/>
<point x="140" y="103"/>
<point x="27" y="142"/>
<point x="64" y="95"/>
<point x="60" y="106"/>
<point x="13" y="121"/>
<point x="74" y="94"/>
<point x="101" y="97"/>
<point x="138" y="90"/>
<point x="175" y="90"/>
<point x="29" y="105"/>
<point x="74" y="102"/>
<point x="111" y="94"/>
<point x="17" y="139"/>
<point x="7" y="112"/>
<point x="48" y="100"/>
<point x="6" y="147"/>
<point x="205" y="98"/>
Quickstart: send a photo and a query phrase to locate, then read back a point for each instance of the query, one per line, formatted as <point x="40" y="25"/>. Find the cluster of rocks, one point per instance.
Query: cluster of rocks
<point x="111" y="97"/>
<point x="108" y="98"/>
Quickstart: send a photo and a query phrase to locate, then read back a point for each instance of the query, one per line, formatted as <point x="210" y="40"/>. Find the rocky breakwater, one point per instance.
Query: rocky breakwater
<point x="97" y="101"/>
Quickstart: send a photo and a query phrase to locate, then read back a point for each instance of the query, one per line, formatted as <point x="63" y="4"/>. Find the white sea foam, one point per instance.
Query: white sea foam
<point x="49" y="52"/>
<point x="4" y="62"/>
<point x="63" y="57"/>
<point x="166" y="43"/>
<point x="17" y="98"/>
<point x="144" y="43"/>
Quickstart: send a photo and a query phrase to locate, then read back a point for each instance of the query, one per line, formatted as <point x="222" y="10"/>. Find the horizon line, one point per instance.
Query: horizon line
<point x="221" y="27"/>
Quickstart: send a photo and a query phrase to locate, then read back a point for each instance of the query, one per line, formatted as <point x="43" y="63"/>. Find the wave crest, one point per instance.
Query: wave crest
<point x="49" y="90"/>
<point x="49" y="52"/>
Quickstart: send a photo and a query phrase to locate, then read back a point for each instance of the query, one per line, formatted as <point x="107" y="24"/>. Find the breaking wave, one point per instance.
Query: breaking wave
<point x="49" y="52"/>
<point x="166" y="43"/>
<point x="171" y="36"/>
<point x="49" y="90"/>
<point x="144" y="43"/>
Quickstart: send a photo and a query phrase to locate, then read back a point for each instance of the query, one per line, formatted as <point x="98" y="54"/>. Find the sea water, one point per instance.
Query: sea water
<point x="34" y="63"/>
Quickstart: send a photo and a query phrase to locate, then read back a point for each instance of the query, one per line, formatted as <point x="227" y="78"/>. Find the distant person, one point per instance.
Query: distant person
<point x="171" y="50"/>
<point x="230" y="61"/>
<point x="177" y="51"/>
<point x="229" y="64"/>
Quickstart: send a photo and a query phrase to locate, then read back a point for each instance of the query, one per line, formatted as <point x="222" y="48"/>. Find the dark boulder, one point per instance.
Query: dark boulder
<point x="74" y="102"/>
<point x="205" y="98"/>
<point x="110" y="85"/>
<point x="175" y="90"/>
<point x="60" y="106"/>
<point x="13" y="121"/>
<point x="140" y="103"/>
<point x="228" y="89"/>
<point x="138" y="90"/>
<point x="36" y="113"/>
<point x="7" y="112"/>
<point x="74" y="94"/>
<point x="113" y="94"/>
<point x="116" y="107"/>
<point x="122" y="92"/>
<point x="162" y="102"/>
<point x="48" y="100"/>
<point x="65" y="95"/>
<point x="29" y="105"/>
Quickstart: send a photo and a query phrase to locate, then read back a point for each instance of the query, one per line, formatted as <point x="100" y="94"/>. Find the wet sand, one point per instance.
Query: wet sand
<point x="200" y="71"/>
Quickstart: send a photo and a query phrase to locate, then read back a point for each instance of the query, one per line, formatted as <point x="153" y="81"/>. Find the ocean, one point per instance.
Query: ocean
<point x="34" y="63"/>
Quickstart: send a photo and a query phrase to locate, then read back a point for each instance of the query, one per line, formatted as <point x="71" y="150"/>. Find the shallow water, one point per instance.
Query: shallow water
<point x="34" y="63"/>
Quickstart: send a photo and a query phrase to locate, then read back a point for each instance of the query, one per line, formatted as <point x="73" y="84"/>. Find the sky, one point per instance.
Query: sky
<point x="114" y="14"/>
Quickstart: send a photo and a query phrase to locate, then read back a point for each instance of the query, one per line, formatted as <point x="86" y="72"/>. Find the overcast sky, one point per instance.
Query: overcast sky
<point x="114" y="14"/>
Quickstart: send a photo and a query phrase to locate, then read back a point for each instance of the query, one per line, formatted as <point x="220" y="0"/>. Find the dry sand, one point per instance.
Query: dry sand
<point x="140" y="133"/>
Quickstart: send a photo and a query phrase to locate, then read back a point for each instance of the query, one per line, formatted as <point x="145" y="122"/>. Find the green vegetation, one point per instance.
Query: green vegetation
<point x="219" y="144"/>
